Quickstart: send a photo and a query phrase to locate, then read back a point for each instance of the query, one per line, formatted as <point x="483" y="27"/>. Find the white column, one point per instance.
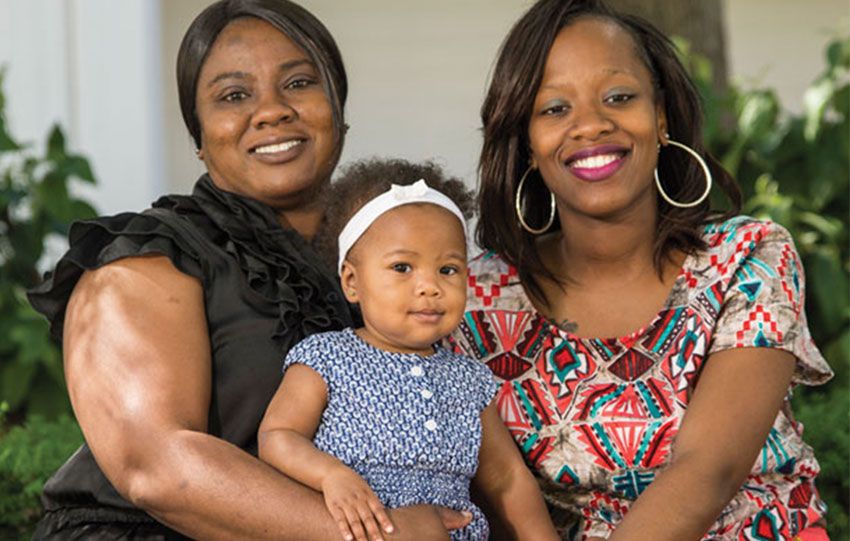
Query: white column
<point x="117" y="98"/>
<point x="33" y="50"/>
<point x="93" y="66"/>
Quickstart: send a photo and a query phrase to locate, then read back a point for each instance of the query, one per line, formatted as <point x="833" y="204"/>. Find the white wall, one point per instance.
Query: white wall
<point x="93" y="66"/>
<point x="417" y="71"/>
<point x="780" y="43"/>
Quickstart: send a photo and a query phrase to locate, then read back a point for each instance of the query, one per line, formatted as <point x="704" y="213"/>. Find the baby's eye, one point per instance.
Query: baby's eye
<point x="449" y="270"/>
<point x="402" y="267"/>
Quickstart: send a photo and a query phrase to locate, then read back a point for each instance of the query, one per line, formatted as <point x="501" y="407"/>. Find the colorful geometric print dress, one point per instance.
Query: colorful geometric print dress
<point x="596" y="418"/>
<point x="409" y="425"/>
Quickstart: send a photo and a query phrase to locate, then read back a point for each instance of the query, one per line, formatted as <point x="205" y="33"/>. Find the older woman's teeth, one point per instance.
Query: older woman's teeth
<point x="280" y="147"/>
<point x="595" y="162"/>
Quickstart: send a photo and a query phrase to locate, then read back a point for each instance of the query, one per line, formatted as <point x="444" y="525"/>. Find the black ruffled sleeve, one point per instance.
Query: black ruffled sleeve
<point x="98" y="242"/>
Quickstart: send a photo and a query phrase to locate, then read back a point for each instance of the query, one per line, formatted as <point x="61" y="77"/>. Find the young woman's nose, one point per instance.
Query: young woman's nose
<point x="273" y="109"/>
<point x="590" y="122"/>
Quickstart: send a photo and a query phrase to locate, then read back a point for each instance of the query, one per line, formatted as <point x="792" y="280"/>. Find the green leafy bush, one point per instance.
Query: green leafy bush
<point x="29" y="454"/>
<point x="35" y="203"/>
<point x="793" y="169"/>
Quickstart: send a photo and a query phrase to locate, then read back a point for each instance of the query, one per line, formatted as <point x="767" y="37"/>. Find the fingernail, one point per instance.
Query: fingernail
<point x="389" y="529"/>
<point x="466" y="514"/>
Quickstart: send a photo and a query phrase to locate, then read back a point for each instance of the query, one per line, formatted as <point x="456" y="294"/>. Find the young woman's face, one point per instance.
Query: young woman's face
<point x="267" y="128"/>
<point x="408" y="273"/>
<point x="596" y="122"/>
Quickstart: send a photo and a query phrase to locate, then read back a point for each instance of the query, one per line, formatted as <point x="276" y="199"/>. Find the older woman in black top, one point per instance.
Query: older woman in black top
<point x="175" y="321"/>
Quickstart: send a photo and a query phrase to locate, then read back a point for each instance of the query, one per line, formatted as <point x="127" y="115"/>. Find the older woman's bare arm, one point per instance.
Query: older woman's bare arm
<point x="137" y="362"/>
<point x="138" y="369"/>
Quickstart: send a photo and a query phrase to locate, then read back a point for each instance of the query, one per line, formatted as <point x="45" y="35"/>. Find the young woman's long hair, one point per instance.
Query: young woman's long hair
<point x="505" y="155"/>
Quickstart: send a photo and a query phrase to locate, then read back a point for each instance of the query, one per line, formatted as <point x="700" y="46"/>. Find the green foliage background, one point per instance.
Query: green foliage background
<point x="35" y="203"/>
<point x="793" y="169"/>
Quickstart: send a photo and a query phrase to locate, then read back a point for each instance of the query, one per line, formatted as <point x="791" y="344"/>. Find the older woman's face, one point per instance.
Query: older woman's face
<point x="596" y="122"/>
<point x="267" y="129"/>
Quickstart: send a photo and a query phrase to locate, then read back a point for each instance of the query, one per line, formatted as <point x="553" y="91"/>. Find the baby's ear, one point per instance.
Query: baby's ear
<point x="348" y="280"/>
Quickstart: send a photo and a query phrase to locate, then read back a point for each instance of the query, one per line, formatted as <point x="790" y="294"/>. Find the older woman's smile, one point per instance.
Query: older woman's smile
<point x="276" y="148"/>
<point x="267" y="127"/>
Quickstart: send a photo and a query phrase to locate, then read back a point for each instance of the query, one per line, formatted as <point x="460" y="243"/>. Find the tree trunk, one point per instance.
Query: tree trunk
<point x="698" y="21"/>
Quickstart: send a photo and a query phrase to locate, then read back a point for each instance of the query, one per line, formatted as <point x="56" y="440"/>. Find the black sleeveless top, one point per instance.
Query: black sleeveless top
<point x="264" y="290"/>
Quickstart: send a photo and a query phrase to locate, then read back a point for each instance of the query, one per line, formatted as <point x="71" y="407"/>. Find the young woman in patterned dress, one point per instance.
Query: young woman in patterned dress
<point x="379" y="416"/>
<point x="646" y="344"/>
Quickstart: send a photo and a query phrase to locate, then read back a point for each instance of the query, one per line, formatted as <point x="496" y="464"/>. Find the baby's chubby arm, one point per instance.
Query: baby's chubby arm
<point x="285" y="441"/>
<point x="508" y="486"/>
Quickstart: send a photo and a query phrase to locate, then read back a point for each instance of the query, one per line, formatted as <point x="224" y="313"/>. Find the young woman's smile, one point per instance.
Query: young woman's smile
<point x="596" y="121"/>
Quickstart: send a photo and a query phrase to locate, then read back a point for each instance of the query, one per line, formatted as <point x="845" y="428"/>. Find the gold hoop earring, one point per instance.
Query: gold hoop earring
<point x="518" y="206"/>
<point x="705" y="170"/>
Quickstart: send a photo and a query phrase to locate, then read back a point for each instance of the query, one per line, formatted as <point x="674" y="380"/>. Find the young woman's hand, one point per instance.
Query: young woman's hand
<point x="356" y="509"/>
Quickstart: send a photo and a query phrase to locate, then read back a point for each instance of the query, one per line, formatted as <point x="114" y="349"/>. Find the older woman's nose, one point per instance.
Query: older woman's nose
<point x="272" y="110"/>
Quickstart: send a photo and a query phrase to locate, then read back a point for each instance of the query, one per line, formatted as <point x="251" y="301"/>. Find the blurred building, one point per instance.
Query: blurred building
<point x="417" y="69"/>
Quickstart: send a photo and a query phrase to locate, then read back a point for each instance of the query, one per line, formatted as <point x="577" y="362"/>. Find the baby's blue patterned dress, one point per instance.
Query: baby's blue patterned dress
<point x="409" y="425"/>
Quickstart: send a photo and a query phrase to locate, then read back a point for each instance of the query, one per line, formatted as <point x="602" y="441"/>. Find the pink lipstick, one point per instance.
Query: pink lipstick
<point x="597" y="163"/>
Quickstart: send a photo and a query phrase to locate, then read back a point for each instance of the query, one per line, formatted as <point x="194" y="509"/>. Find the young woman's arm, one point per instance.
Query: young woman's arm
<point x="138" y="370"/>
<point x="740" y="392"/>
<point x="508" y="486"/>
<point x="285" y="442"/>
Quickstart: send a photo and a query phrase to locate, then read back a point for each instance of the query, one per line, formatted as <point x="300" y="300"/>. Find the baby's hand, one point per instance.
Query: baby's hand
<point x="356" y="509"/>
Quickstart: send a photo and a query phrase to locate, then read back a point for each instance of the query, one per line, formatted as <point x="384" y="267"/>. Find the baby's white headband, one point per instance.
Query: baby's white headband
<point x="396" y="196"/>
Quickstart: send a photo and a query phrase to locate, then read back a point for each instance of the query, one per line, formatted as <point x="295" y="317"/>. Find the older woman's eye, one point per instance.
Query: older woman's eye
<point x="300" y="82"/>
<point x="401" y="267"/>
<point x="235" y="96"/>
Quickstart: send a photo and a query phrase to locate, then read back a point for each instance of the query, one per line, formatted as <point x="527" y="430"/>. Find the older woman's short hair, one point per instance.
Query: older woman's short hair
<point x="298" y="24"/>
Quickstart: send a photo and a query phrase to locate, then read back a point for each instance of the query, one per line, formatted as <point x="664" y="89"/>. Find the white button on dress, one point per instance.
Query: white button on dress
<point x="426" y="393"/>
<point x="416" y="371"/>
<point x="431" y="425"/>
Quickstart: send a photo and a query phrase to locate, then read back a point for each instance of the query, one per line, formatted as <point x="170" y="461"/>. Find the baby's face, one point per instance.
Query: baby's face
<point x="408" y="273"/>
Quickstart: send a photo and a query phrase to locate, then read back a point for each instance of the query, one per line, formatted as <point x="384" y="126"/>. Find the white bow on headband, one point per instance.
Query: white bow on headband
<point x="396" y="196"/>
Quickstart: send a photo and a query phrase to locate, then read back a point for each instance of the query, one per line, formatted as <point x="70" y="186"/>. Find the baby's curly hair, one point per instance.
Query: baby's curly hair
<point x="364" y="180"/>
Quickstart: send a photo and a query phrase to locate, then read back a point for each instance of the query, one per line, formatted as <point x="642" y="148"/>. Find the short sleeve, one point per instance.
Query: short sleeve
<point x="764" y="302"/>
<point x="312" y="352"/>
<point x="98" y="242"/>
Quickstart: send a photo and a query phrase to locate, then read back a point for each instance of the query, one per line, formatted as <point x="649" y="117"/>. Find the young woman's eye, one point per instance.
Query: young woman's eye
<point x="619" y="97"/>
<point x="449" y="270"/>
<point x="402" y="267"/>
<point x="235" y="96"/>
<point x="556" y="109"/>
